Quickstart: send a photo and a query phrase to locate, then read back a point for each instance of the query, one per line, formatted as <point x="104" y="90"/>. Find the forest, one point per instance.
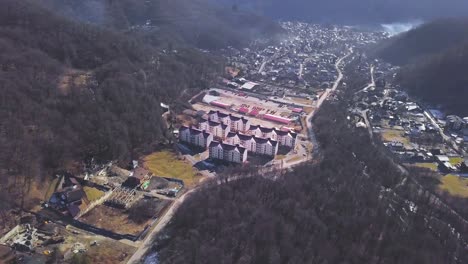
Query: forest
<point x="433" y="68"/>
<point x="73" y="91"/>
<point x="354" y="12"/>
<point x="353" y="205"/>
<point x="199" y="23"/>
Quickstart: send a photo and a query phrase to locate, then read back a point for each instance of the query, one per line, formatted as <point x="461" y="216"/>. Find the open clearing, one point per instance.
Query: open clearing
<point x="390" y="135"/>
<point x="167" y="164"/>
<point x="456" y="160"/>
<point x="93" y="194"/>
<point x="108" y="251"/>
<point x="121" y="221"/>
<point x="432" y="166"/>
<point x="455" y="185"/>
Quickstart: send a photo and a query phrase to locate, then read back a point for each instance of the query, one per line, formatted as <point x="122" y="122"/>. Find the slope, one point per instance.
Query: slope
<point x="196" y="22"/>
<point x="353" y="11"/>
<point x="434" y="60"/>
<point x="72" y="91"/>
<point x="440" y="80"/>
<point x="428" y="39"/>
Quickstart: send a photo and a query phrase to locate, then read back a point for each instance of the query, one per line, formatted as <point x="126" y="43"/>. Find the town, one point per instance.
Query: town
<point x="257" y="114"/>
<point x="417" y="134"/>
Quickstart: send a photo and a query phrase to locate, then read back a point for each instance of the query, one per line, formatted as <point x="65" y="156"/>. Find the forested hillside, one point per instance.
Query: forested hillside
<point x="351" y="207"/>
<point x="434" y="57"/>
<point x="440" y="80"/>
<point x="190" y="22"/>
<point x="428" y="39"/>
<point x="354" y="11"/>
<point x="72" y="91"/>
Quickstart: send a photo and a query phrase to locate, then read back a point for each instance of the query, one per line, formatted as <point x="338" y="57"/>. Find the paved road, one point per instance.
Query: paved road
<point x="301" y="70"/>
<point x="327" y="92"/>
<point x="446" y="138"/>
<point x="262" y="66"/>
<point x="371" y="84"/>
<point x="163" y="221"/>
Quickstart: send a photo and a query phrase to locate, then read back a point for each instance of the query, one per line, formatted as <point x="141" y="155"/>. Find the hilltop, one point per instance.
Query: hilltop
<point x="434" y="60"/>
<point x="354" y="11"/>
<point x="429" y="39"/>
<point x="191" y="22"/>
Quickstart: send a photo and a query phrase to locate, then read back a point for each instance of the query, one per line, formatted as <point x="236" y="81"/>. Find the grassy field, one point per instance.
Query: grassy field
<point x="390" y="135"/>
<point x="456" y="160"/>
<point x="455" y="185"/>
<point x="166" y="164"/>
<point x="93" y="194"/>
<point x="431" y="166"/>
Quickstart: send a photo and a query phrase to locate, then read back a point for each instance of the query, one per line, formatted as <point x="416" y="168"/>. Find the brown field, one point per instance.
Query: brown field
<point x="390" y="135"/>
<point x="456" y="186"/>
<point x="119" y="220"/>
<point x="108" y="251"/>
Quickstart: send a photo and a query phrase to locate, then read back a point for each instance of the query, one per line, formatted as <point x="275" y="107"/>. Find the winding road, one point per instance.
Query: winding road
<point x="327" y="92"/>
<point x="147" y="243"/>
<point x="162" y="222"/>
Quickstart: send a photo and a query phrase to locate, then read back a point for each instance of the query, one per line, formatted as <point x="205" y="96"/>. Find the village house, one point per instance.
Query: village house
<point x="195" y="137"/>
<point x="69" y="198"/>
<point x="227" y="152"/>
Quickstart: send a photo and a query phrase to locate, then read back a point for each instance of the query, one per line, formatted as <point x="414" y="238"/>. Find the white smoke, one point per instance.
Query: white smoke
<point x="400" y="27"/>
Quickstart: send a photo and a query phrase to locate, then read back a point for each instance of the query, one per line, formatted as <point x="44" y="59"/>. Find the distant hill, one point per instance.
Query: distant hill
<point x="353" y="11"/>
<point x="71" y="91"/>
<point x="194" y="22"/>
<point x="434" y="60"/>
<point x="440" y="79"/>
<point x="428" y="39"/>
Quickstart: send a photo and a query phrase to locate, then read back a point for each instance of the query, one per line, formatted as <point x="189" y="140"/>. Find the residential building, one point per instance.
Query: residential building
<point x="238" y="123"/>
<point x="256" y="145"/>
<point x="227" y="152"/>
<point x="286" y="138"/>
<point x="234" y="122"/>
<point x="454" y="122"/>
<point x="195" y="137"/>
<point x="216" y="128"/>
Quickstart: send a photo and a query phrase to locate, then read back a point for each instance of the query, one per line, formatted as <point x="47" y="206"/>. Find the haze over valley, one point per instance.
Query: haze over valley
<point x="202" y="131"/>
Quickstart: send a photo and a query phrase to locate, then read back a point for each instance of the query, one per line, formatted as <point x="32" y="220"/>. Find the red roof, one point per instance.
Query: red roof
<point x="297" y="110"/>
<point x="254" y="113"/>
<point x="278" y="119"/>
<point x="244" y="110"/>
<point x="219" y="104"/>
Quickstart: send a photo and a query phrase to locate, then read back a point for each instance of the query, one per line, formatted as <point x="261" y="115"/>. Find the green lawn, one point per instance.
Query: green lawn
<point x="93" y="194"/>
<point x="390" y="135"/>
<point x="455" y="185"/>
<point x="431" y="166"/>
<point x="166" y="164"/>
<point x="456" y="160"/>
